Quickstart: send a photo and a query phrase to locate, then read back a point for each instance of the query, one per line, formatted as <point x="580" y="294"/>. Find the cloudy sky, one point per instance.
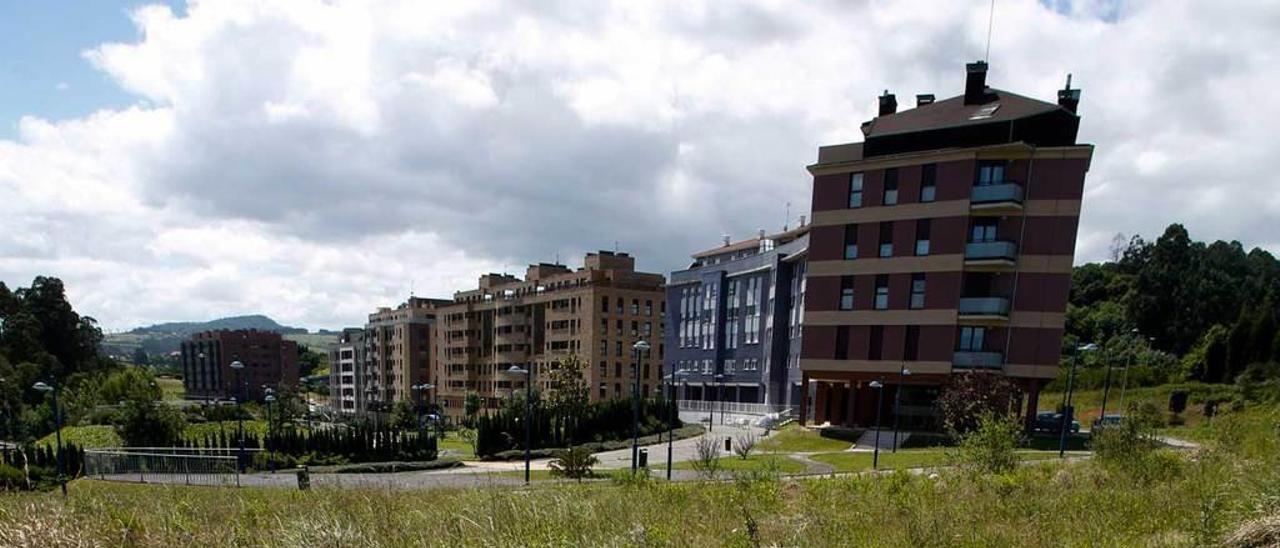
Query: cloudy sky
<point x="313" y="160"/>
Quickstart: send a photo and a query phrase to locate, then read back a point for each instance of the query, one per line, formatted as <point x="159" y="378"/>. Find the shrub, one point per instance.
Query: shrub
<point x="149" y="424"/>
<point x="967" y="398"/>
<point x="573" y="463"/>
<point x="991" y="447"/>
<point x="11" y="478"/>
<point x="1131" y="441"/>
<point x="265" y="460"/>
<point x="744" y="444"/>
<point x="706" y="458"/>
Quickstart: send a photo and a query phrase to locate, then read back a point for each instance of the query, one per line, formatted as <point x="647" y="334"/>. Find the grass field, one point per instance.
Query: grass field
<point x="170" y="389"/>
<point x="753" y="463"/>
<point x="794" y="438"/>
<point x="86" y="437"/>
<point x="905" y="458"/>
<point x="1171" y="499"/>
<point x="1088" y="403"/>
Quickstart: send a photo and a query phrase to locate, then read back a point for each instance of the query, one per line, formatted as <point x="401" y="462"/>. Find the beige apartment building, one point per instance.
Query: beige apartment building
<point x="596" y="312"/>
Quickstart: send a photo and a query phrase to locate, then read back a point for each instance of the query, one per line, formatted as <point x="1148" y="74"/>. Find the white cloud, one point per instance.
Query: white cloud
<point x="310" y="160"/>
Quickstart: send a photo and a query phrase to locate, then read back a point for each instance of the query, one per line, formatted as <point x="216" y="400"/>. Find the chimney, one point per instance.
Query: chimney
<point x="924" y="99"/>
<point x="726" y="240"/>
<point x="802" y="220"/>
<point x="888" y="103"/>
<point x="762" y="234"/>
<point x="1069" y="98"/>
<point x="975" y="83"/>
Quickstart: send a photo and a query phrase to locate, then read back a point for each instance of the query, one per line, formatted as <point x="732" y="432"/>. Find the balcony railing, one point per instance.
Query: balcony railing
<point x="971" y="359"/>
<point x="985" y="251"/>
<point x="983" y="306"/>
<point x="990" y="194"/>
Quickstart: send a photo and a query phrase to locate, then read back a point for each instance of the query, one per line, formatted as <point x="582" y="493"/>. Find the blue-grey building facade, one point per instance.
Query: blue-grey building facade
<point x="733" y="321"/>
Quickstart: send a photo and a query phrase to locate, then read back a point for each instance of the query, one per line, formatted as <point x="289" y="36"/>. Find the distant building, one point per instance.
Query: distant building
<point x="346" y="372"/>
<point x="941" y="244"/>
<point x="734" y="330"/>
<point x="269" y="360"/>
<point x="398" y="347"/>
<point x="596" y="313"/>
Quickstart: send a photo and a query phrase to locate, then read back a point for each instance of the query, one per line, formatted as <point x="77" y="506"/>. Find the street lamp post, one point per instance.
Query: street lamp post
<point x="515" y="370"/>
<point x="57" y="429"/>
<point x="1067" y="409"/>
<point x="879" y="386"/>
<point x="270" y="397"/>
<point x="639" y="348"/>
<point x="237" y="366"/>
<point x="671" y="423"/>
<point x="719" y="382"/>
<point x="897" y="403"/>
<point x="1106" y="387"/>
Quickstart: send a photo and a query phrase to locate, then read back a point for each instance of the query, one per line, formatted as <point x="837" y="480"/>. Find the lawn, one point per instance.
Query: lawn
<point x="86" y="437"/>
<point x="171" y="389"/>
<point x="457" y="447"/>
<point x="1088" y="403"/>
<point x="753" y="463"/>
<point x="905" y="458"/>
<point x="251" y="427"/>
<point x="794" y="438"/>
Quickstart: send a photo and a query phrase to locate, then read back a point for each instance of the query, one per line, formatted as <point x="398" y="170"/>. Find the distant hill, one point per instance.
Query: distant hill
<point x="166" y="337"/>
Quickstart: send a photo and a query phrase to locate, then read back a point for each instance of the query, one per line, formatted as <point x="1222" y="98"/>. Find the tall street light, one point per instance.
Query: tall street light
<point x="879" y="387"/>
<point x="270" y="397"/>
<point x="57" y="429"/>
<point x="897" y="403"/>
<point x="419" y="389"/>
<point x="1067" y="408"/>
<point x="1106" y="387"/>
<point x="671" y="423"/>
<point x="639" y="348"/>
<point x="237" y="366"/>
<point x="515" y="370"/>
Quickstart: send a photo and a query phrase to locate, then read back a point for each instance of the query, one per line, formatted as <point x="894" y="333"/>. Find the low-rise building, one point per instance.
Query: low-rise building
<point x="207" y="374"/>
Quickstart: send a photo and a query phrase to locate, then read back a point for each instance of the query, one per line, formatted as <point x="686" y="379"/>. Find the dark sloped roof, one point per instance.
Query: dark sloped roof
<point x="954" y="113"/>
<point x="752" y="243"/>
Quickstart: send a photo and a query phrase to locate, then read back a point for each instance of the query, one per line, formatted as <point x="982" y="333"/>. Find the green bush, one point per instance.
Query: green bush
<point x="11" y="478"/>
<point x="573" y="463"/>
<point x="391" y="467"/>
<point x="991" y="447"/>
<point x="265" y="460"/>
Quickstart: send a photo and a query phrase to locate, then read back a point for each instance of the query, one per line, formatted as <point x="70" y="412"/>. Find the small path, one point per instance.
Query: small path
<point x="811" y="466"/>
<point x="1178" y="443"/>
<point x="867" y="442"/>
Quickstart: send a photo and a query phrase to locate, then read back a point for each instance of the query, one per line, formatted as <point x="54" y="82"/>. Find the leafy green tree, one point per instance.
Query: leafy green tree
<point x="567" y="397"/>
<point x="472" y="406"/>
<point x="403" y="416"/>
<point x="967" y="398"/>
<point x="573" y="463"/>
<point x="140" y="356"/>
<point x="150" y="424"/>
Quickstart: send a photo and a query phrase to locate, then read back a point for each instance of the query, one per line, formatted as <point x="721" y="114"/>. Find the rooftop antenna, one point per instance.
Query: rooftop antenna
<point x="557" y="257"/>
<point x="615" y="246"/>
<point x="788" y="219"/>
<point x="411" y="282"/>
<point x="991" y="19"/>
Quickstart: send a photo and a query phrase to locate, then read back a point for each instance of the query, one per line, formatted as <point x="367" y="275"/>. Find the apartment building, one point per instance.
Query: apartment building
<point x="346" y="372"/>
<point x="940" y="245"/>
<point x="268" y="359"/>
<point x="397" y="353"/>
<point x="734" y="331"/>
<point x="596" y="312"/>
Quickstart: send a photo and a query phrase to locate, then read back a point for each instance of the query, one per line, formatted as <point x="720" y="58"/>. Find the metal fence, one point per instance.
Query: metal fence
<point x="737" y="408"/>
<point x="171" y="465"/>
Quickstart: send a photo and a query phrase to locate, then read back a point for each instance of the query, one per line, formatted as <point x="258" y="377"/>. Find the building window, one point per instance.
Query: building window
<point x="617" y="348"/>
<point x="619" y="305"/>
<point x="604" y="305"/>
<point x="991" y="173"/>
<point x="604" y="369"/>
<point x="648" y="308"/>
<point x="846" y="293"/>
<point x="728" y="367"/>
<point x="917" y="291"/>
<point x="984" y="230"/>
<point x="971" y="338"/>
<point x="842" y="343"/>
<point x="928" y="182"/>
<point x="886" y="239"/>
<point x="882" y="292"/>
<point x="911" y="347"/>
<point x="617" y="369"/>
<point x="922" y="236"/>
<point x="635" y="307"/>
<point x="875" y="347"/>
<point x="855" y="190"/>
<point x="891" y="186"/>
<point x="850" y="242"/>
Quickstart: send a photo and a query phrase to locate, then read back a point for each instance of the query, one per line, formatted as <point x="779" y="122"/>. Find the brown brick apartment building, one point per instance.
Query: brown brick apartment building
<point x="596" y="312"/>
<point x="941" y="244"/>
<point x="397" y="352"/>
<point x="268" y="360"/>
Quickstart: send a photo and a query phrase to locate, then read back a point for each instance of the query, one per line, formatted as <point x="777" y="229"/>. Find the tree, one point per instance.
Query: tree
<point x="403" y="416"/>
<point x="967" y="397"/>
<point x="471" y="406"/>
<point x="706" y="457"/>
<point x="567" y="397"/>
<point x="140" y="356"/>
<point x="150" y="424"/>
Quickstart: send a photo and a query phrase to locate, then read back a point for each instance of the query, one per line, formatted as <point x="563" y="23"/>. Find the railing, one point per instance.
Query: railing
<point x="983" y="306"/>
<point x="174" y="465"/>
<point x="972" y="359"/>
<point x="736" y="408"/>
<point x="990" y="250"/>
<point x="1004" y="192"/>
<point x="510" y="319"/>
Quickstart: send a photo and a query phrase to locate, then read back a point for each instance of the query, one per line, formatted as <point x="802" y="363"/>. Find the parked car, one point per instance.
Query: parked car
<point x="1107" y="421"/>
<point x="1051" y="423"/>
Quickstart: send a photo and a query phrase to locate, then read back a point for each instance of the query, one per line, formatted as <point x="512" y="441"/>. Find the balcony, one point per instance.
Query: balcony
<point x="996" y="255"/>
<point x="983" y="308"/>
<point x="971" y="359"/>
<point x="511" y="319"/>
<point x="515" y="337"/>
<point x="996" y="199"/>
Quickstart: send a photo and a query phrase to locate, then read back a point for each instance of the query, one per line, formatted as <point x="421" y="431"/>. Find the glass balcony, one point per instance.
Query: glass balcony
<point x="970" y="359"/>
<point x="983" y="306"/>
<point x="993" y="194"/>
<point x="987" y="251"/>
